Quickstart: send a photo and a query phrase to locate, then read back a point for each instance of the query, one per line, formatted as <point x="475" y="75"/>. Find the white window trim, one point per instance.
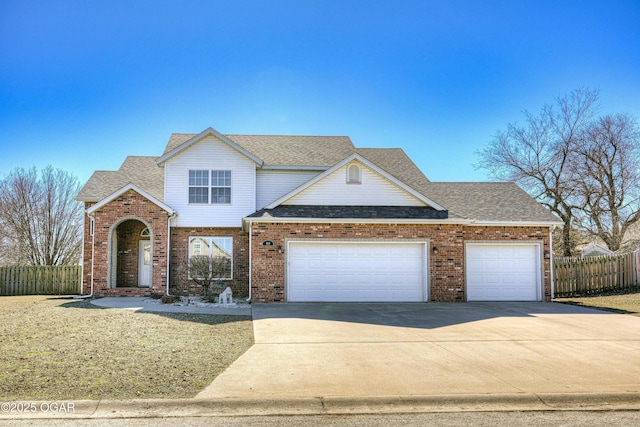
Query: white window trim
<point x="210" y="187"/>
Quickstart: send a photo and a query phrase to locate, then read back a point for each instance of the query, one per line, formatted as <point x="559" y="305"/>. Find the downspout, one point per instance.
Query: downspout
<point x="250" y="258"/>
<point x="553" y="285"/>
<point x="171" y="216"/>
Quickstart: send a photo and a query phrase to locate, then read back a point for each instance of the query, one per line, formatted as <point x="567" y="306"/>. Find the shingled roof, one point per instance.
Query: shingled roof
<point x="475" y="201"/>
<point x="284" y="150"/>
<point x="488" y="202"/>
<point x="351" y="212"/>
<point x="142" y="171"/>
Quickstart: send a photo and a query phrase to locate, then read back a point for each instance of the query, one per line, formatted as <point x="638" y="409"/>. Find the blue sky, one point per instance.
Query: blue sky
<point x="83" y="84"/>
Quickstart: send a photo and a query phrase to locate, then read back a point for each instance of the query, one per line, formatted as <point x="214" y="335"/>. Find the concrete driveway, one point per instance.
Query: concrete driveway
<point x="341" y="350"/>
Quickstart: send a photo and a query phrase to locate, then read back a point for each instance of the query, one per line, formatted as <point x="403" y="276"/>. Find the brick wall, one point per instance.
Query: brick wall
<point x="180" y="252"/>
<point x="129" y="206"/>
<point x="446" y="267"/>
<point x="86" y="252"/>
<point x="447" y="279"/>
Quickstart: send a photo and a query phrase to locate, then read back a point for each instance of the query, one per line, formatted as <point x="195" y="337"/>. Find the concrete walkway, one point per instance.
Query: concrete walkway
<point x="464" y="354"/>
<point x="154" y="305"/>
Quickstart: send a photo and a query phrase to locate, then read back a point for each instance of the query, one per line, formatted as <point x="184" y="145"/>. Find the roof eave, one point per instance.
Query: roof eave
<point x="356" y="220"/>
<point x="490" y="223"/>
<point x="87" y="199"/>
<point x="452" y="221"/>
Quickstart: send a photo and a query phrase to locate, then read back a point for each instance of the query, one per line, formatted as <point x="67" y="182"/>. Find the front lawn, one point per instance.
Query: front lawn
<point x="623" y="303"/>
<point x="63" y="349"/>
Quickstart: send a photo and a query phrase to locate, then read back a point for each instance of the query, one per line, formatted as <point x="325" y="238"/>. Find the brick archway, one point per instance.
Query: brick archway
<point x="124" y="252"/>
<point x="112" y="232"/>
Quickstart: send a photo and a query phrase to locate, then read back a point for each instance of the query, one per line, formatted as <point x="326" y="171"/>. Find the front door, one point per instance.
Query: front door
<point x="144" y="264"/>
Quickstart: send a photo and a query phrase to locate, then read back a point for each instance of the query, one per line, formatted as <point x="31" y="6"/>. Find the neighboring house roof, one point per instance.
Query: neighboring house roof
<point x="142" y="171"/>
<point x="351" y="212"/>
<point x="596" y="249"/>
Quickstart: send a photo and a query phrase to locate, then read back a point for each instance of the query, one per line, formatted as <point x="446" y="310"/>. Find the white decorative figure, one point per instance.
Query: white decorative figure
<point x="226" y="297"/>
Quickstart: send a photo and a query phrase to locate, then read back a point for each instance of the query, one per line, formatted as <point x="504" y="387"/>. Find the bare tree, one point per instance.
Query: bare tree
<point x="540" y="156"/>
<point x="209" y="272"/>
<point x="608" y="165"/>
<point x="42" y="222"/>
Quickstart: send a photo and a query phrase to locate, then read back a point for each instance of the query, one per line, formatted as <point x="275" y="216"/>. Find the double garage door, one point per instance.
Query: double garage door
<point x="356" y="272"/>
<point x="397" y="272"/>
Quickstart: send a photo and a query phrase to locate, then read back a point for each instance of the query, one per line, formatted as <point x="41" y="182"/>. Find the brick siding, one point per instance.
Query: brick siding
<point x="446" y="269"/>
<point x="132" y="212"/>
<point x="180" y="252"/>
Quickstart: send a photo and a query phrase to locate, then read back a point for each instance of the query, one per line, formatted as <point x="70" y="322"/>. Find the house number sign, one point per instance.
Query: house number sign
<point x="267" y="243"/>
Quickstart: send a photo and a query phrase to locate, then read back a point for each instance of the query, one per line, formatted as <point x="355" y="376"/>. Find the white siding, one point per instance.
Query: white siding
<point x="273" y="184"/>
<point x="210" y="154"/>
<point x="375" y="190"/>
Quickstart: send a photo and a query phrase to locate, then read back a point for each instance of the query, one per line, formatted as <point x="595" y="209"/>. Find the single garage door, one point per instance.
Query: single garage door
<point x="356" y="272"/>
<point x="503" y="272"/>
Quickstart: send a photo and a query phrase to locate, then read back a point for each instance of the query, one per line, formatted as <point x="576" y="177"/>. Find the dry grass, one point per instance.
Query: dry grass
<point x="70" y="349"/>
<point x="622" y="303"/>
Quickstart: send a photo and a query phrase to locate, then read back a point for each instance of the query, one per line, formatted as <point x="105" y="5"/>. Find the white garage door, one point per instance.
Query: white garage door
<point x="356" y="272"/>
<point x="509" y="272"/>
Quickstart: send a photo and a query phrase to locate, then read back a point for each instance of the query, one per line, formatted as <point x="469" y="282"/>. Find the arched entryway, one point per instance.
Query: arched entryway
<point x="131" y="255"/>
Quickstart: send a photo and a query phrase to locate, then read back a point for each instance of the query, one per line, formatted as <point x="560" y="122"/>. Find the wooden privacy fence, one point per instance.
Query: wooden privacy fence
<point x="41" y="280"/>
<point x="574" y="276"/>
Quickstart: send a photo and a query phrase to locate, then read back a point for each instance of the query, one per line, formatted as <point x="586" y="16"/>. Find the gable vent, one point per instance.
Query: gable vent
<point x="354" y="174"/>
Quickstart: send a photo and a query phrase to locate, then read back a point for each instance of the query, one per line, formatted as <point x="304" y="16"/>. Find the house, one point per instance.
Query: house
<point x="596" y="249"/>
<point x="310" y="218"/>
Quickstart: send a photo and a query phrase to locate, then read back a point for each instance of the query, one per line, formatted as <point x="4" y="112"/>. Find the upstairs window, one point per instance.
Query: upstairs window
<point x="199" y="186"/>
<point x="354" y="174"/>
<point x="209" y="187"/>
<point x="220" y="186"/>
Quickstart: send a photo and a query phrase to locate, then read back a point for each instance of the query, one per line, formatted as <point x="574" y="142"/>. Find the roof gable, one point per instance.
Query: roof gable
<point x="283" y="151"/>
<point x="123" y="190"/>
<point x="199" y="137"/>
<point x="335" y="177"/>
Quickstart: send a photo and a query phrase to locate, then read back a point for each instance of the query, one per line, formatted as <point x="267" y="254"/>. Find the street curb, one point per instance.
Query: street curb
<point x="330" y="405"/>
